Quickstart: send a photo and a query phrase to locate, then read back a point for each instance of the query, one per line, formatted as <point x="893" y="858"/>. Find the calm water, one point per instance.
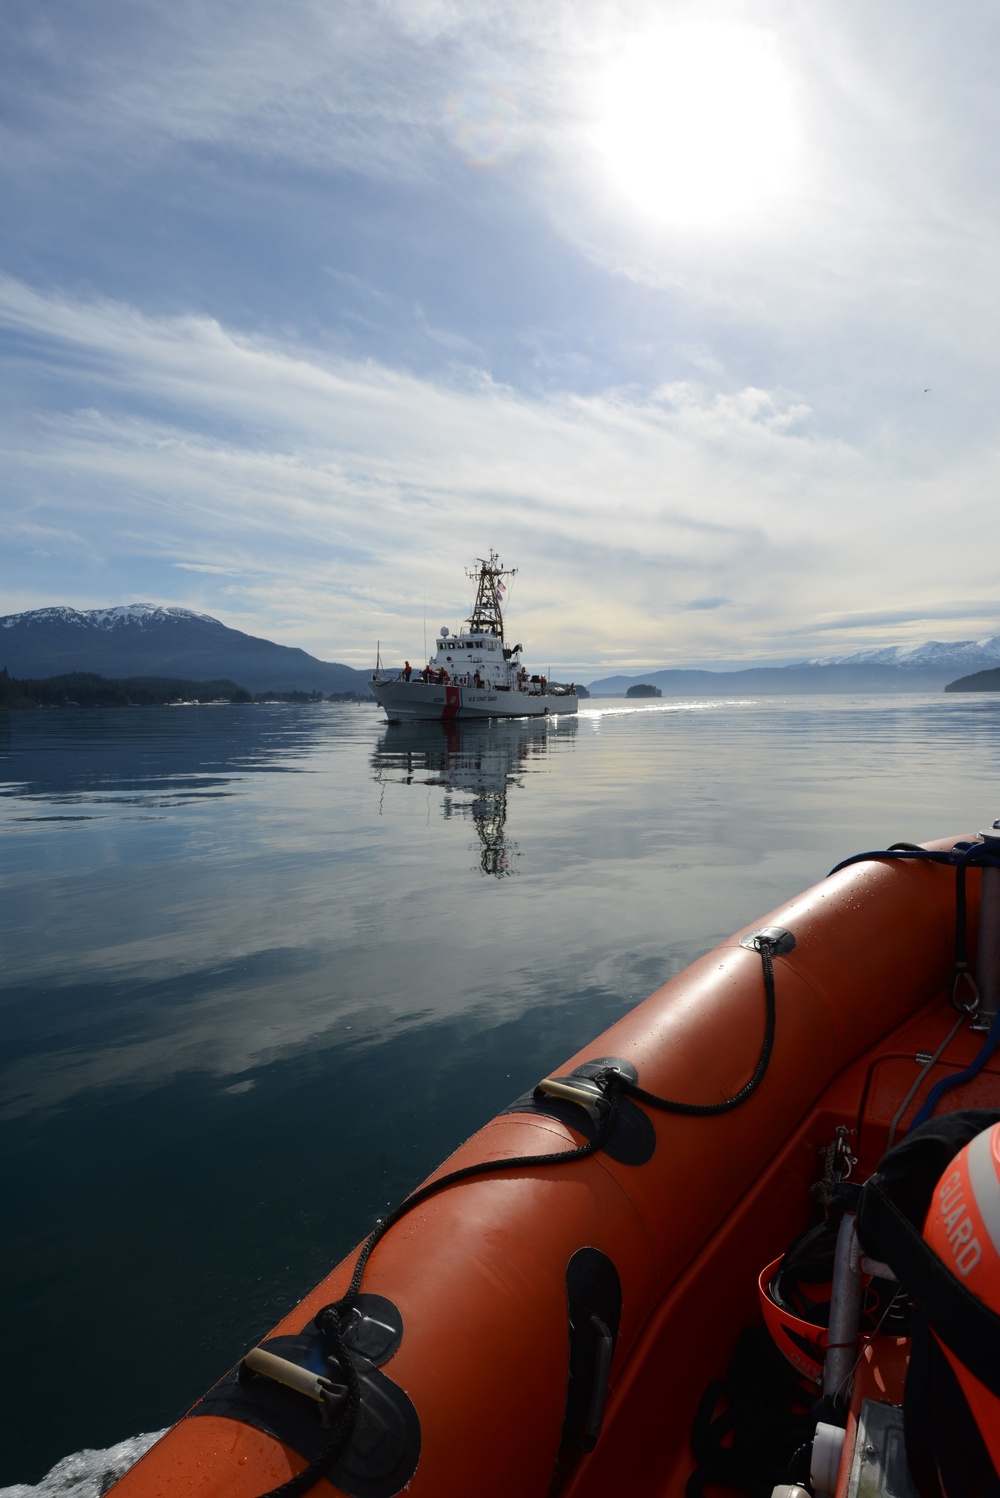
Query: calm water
<point x="265" y="966"/>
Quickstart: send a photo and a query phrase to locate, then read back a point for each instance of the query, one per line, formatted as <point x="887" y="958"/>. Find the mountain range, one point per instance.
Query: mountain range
<point x="893" y="668"/>
<point x="143" y="639"/>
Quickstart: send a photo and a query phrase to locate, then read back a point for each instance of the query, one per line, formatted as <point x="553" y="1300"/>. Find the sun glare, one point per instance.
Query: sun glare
<point x="696" y="122"/>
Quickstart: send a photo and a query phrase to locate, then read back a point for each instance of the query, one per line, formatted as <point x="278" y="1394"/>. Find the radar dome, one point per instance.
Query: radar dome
<point x="444" y="631"/>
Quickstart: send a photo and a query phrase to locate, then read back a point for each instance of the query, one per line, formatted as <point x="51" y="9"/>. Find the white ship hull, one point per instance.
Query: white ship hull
<point x="405" y="701"/>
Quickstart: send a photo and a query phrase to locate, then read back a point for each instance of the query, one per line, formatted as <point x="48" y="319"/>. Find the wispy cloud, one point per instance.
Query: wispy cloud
<point x="331" y="491"/>
<point x="211" y="568"/>
<point x="933" y="613"/>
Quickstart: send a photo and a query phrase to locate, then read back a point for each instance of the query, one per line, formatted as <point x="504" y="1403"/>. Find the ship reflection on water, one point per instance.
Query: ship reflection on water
<point x="476" y="764"/>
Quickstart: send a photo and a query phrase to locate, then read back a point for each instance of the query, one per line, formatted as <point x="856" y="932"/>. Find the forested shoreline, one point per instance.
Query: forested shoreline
<point x="88" y="689"/>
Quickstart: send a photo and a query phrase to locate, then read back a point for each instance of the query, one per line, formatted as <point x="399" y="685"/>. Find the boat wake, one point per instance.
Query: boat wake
<point x="683" y="705"/>
<point x="86" y="1474"/>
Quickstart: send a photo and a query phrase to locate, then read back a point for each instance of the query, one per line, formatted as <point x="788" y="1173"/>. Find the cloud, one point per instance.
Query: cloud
<point x="933" y="612"/>
<point x="870" y="276"/>
<point x="356" y="87"/>
<point x="210" y="568"/>
<point x="332" y="494"/>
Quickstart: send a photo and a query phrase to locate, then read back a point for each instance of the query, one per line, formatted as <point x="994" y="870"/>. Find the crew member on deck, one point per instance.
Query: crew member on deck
<point x="407" y="671"/>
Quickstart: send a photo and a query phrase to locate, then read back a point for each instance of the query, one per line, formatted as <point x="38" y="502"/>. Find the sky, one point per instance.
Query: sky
<point x="690" y="311"/>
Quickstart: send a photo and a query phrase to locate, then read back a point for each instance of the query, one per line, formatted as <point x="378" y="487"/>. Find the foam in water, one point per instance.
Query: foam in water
<point x="86" y="1474"/>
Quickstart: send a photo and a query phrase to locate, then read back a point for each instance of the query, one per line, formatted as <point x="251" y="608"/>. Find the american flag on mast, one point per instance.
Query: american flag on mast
<point x="501" y="589"/>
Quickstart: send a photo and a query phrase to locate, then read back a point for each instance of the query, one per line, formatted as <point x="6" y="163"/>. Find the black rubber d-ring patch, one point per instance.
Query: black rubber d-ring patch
<point x="384" y="1448"/>
<point x="633" y="1141"/>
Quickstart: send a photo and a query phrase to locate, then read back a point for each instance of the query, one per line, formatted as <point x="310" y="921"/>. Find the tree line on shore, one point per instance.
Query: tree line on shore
<point x="88" y="689"/>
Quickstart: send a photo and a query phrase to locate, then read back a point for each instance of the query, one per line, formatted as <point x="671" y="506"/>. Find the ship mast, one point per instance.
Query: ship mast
<point x="487" y="611"/>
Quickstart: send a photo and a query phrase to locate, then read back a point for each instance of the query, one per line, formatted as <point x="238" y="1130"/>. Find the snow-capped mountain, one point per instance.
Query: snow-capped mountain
<point x="927" y="667"/>
<point x="959" y="655"/>
<point x="142" y="614"/>
<point x="146" y="639"/>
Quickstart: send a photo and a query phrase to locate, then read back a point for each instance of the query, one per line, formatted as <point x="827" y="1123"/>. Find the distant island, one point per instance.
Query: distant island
<point x="979" y="681"/>
<point x="643" y="689"/>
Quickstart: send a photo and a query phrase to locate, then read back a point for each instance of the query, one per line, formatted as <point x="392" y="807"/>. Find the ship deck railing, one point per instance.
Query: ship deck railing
<point x="528" y="688"/>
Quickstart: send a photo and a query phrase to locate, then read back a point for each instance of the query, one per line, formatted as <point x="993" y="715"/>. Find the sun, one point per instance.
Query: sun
<point x="696" y="122"/>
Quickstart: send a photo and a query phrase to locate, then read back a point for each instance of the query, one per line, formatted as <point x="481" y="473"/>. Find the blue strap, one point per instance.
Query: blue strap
<point x="971" y="855"/>
<point x="939" y="1089"/>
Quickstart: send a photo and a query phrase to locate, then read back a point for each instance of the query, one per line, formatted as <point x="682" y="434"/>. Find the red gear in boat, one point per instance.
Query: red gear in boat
<point x="800" y="1337"/>
<point x="962" y="1227"/>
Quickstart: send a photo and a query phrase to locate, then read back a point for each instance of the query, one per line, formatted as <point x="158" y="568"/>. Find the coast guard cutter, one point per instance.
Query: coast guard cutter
<point x="475" y="673"/>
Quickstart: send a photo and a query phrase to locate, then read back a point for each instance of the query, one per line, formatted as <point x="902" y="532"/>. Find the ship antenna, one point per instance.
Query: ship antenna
<point x="487" y="611"/>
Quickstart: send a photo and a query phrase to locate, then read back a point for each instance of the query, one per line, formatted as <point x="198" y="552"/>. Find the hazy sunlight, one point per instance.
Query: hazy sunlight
<point x="697" y="121"/>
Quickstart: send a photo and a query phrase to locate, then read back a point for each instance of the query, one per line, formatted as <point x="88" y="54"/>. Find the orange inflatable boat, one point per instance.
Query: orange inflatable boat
<point x="546" y="1313"/>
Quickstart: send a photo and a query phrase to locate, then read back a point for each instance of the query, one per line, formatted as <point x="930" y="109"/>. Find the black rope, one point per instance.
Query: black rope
<point x="347" y="1411"/>
<point x="751" y="1426"/>
<point x="615" y="1085"/>
<point x="332" y="1318"/>
<point x="765" y="946"/>
<point x="483" y="1167"/>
